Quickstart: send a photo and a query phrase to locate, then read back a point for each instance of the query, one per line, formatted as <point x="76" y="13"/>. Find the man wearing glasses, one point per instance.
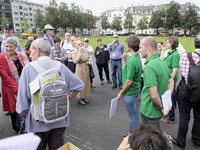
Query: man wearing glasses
<point x="116" y="51"/>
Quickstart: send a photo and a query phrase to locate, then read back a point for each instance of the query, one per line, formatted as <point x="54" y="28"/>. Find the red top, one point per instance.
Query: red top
<point x="9" y="86"/>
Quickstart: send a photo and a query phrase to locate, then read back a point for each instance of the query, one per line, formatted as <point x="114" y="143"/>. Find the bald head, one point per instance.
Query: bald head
<point x="150" y="41"/>
<point x="197" y="41"/>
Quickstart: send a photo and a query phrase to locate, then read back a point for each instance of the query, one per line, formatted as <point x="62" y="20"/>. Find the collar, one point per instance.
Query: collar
<point x="44" y="58"/>
<point x="4" y="36"/>
<point x="151" y="58"/>
<point x="172" y="51"/>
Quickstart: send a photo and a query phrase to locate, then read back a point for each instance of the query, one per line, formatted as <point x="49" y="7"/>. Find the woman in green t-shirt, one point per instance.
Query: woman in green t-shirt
<point x="172" y="61"/>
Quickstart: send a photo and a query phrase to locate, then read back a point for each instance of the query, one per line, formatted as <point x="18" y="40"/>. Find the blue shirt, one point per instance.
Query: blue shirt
<point x="50" y="41"/>
<point x="19" y="48"/>
<point x="116" y="51"/>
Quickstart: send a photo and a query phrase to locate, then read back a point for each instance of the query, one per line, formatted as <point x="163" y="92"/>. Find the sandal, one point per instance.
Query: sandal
<point x="86" y="101"/>
<point x="81" y="102"/>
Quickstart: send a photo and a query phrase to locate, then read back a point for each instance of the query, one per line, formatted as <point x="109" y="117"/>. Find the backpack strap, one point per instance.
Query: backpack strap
<point x="190" y="59"/>
<point x="37" y="67"/>
<point x="57" y="65"/>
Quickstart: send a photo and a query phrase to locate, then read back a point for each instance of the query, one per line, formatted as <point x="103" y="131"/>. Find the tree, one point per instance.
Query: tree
<point x="24" y="24"/>
<point x="173" y="16"/>
<point x="157" y="20"/>
<point x="190" y="19"/>
<point x="104" y="21"/>
<point x="3" y="20"/>
<point x="52" y="14"/>
<point x="143" y="24"/>
<point x="116" y="24"/>
<point x="63" y="15"/>
<point x="39" y="20"/>
<point x="128" y="23"/>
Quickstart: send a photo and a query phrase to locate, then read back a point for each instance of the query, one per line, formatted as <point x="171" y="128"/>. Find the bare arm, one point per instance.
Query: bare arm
<point x="175" y="70"/>
<point x="170" y="85"/>
<point x="72" y="94"/>
<point x="125" y="88"/>
<point x="155" y="97"/>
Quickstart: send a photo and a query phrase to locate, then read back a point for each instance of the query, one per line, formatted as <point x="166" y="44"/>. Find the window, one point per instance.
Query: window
<point x="25" y="14"/>
<point x="16" y="13"/>
<point x="15" y="7"/>
<point x="21" y="13"/>
<point x="3" y="7"/>
<point x="30" y="14"/>
<point x="16" y="19"/>
<point x="17" y="24"/>
<point x="18" y="30"/>
<point x="30" y="9"/>
<point x="8" y="15"/>
<point x="20" y="7"/>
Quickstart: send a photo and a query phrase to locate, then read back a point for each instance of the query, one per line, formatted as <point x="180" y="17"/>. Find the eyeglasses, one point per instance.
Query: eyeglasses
<point x="115" y="37"/>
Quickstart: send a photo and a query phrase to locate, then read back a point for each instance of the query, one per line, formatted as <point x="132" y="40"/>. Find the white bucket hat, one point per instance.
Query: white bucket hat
<point x="48" y="27"/>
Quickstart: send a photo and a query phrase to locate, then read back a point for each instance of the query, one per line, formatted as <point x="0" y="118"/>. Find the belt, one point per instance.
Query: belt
<point x="116" y="59"/>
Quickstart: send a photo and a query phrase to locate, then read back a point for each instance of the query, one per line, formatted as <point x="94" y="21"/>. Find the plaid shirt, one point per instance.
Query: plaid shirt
<point x="185" y="64"/>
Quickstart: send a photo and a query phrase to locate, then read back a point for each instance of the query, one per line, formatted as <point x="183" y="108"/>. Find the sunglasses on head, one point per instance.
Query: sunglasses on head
<point x="115" y="37"/>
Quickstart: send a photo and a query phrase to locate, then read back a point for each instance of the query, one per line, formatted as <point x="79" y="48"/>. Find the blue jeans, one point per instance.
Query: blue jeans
<point x="132" y="108"/>
<point x="155" y="122"/>
<point x="171" y="115"/>
<point x="116" y="67"/>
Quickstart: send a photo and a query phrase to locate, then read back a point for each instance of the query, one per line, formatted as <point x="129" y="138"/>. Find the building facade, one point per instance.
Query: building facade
<point x="27" y="9"/>
<point x="5" y="7"/>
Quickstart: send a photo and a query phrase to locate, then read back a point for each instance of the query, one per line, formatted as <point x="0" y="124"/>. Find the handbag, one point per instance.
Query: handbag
<point x="92" y="75"/>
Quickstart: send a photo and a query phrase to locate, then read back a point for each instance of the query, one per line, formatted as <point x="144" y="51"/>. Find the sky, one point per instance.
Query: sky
<point x="100" y="6"/>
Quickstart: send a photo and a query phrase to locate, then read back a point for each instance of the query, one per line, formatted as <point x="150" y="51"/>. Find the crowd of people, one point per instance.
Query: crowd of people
<point x="145" y="68"/>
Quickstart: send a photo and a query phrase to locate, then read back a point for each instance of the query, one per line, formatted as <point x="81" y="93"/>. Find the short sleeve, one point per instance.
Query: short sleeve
<point x="150" y="77"/>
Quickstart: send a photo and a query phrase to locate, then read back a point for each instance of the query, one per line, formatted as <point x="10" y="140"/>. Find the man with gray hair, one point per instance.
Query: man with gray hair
<point x="186" y="97"/>
<point x="157" y="80"/>
<point x="51" y="134"/>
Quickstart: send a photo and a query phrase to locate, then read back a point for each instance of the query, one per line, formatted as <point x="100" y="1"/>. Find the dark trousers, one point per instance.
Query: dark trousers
<point x="171" y="114"/>
<point x="71" y="66"/>
<point x="53" y="137"/>
<point x="100" y="70"/>
<point x="185" y="106"/>
<point x="15" y="121"/>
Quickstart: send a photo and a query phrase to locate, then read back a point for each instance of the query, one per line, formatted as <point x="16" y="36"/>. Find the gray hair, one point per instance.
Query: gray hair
<point x="10" y="40"/>
<point x="42" y="45"/>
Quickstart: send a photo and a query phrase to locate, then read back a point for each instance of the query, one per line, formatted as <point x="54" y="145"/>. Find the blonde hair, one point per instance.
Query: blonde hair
<point x="10" y="40"/>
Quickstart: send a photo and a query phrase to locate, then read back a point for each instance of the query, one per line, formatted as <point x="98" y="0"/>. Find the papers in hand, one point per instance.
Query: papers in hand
<point x="113" y="107"/>
<point x="27" y="141"/>
<point x="166" y="101"/>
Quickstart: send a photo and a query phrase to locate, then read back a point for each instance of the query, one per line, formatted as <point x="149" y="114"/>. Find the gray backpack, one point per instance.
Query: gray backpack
<point x="50" y="103"/>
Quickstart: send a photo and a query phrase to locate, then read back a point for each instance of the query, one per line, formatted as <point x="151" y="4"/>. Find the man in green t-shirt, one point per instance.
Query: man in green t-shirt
<point x="131" y="81"/>
<point x="157" y="80"/>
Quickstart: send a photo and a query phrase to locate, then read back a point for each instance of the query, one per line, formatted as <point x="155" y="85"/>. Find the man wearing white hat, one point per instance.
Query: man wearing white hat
<point x="48" y="31"/>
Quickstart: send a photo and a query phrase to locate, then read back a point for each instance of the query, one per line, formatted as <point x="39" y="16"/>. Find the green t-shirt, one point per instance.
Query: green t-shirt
<point x="156" y="74"/>
<point x="132" y="71"/>
<point x="172" y="61"/>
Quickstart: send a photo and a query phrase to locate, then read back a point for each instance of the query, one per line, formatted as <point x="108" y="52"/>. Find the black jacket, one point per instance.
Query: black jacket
<point x="103" y="56"/>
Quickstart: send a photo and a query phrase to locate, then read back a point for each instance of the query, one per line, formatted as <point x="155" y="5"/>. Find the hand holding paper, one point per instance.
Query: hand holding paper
<point x="166" y="101"/>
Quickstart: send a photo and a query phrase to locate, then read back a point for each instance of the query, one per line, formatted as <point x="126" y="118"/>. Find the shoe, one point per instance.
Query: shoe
<point x="7" y="114"/>
<point x="81" y="102"/>
<point x="86" y="101"/>
<point x="92" y="85"/>
<point x="125" y="135"/>
<point x="120" y="87"/>
<point x="195" y="144"/>
<point x="109" y="82"/>
<point x="174" y="141"/>
<point x="114" y="86"/>
<point x="102" y="82"/>
<point x="166" y="120"/>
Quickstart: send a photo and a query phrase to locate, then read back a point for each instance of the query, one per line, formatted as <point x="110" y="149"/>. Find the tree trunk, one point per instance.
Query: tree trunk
<point x="157" y="32"/>
<point x="172" y="30"/>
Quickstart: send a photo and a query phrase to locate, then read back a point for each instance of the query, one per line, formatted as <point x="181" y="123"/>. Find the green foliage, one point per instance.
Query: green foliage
<point x="52" y="14"/>
<point x="64" y="19"/>
<point x="39" y="20"/>
<point x="24" y="24"/>
<point x="143" y="23"/>
<point x="173" y="16"/>
<point x="191" y="18"/>
<point x="3" y="20"/>
<point x="104" y="21"/>
<point x="116" y="24"/>
<point x="157" y="19"/>
<point x="90" y="20"/>
<point x="128" y="23"/>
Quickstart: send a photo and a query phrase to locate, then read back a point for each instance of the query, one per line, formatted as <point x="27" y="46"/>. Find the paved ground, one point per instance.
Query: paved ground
<point x="90" y="126"/>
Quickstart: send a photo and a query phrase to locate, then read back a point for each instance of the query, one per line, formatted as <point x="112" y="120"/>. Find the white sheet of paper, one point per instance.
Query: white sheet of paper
<point x="34" y="86"/>
<point x="166" y="101"/>
<point x="113" y="107"/>
<point x="27" y="141"/>
<point x="113" y="54"/>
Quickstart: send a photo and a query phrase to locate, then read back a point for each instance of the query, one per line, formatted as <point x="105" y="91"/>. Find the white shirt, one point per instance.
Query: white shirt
<point x="69" y="48"/>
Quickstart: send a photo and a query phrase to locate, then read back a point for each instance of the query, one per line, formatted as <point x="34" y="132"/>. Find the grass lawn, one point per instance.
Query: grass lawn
<point x="187" y="42"/>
